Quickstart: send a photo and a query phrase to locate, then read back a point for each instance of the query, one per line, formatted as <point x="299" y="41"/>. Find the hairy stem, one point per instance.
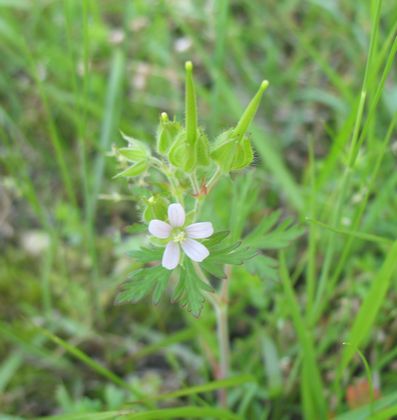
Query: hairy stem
<point x="220" y="303"/>
<point x="221" y="312"/>
<point x="167" y="172"/>
<point x="214" y="179"/>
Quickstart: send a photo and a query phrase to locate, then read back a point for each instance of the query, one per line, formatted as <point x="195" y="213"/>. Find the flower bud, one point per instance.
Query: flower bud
<point x="155" y="208"/>
<point x="166" y="133"/>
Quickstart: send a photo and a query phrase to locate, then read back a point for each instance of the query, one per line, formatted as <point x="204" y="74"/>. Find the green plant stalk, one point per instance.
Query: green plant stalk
<point x="82" y="95"/>
<point x="221" y="26"/>
<point x="337" y="214"/>
<point x="220" y="303"/>
<point x="51" y="127"/>
<point x="311" y="265"/>
<point x="196" y="192"/>
<point x="214" y="179"/>
<point x="166" y="171"/>
<point x="369" y="376"/>
<point x="221" y="312"/>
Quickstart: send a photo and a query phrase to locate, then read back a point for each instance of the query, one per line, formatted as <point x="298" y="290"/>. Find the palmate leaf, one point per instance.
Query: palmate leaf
<point x="263" y="266"/>
<point x="147" y="254"/>
<point x="141" y="282"/>
<point x="221" y="254"/>
<point x="263" y="237"/>
<point x="190" y="288"/>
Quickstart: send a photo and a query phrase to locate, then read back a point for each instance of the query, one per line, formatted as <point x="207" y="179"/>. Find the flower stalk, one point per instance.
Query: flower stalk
<point x="221" y="312"/>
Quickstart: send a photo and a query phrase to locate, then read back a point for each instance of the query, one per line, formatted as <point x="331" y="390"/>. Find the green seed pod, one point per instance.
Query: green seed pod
<point x="224" y="149"/>
<point x="243" y="156"/>
<point x="166" y="133"/>
<point x="190" y="148"/>
<point x="249" y="113"/>
<point x="202" y="149"/>
<point x="190" y="106"/>
<point x="230" y="154"/>
<point x="232" y="149"/>
<point x="181" y="154"/>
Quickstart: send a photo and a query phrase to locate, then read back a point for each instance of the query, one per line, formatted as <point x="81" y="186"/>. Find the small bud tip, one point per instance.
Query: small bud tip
<point x="264" y="85"/>
<point x="188" y="66"/>
<point x="164" y="116"/>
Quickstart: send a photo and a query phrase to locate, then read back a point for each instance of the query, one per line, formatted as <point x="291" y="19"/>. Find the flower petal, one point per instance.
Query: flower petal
<point x="171" y="256"/>
<point x="200" y="230"/>
<point x="159" y="229"/>
<point x="194" y="250"/>
<point x="176" y="215"/>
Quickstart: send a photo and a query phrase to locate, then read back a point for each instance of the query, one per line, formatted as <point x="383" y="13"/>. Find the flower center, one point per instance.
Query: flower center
<point x="178" y="235"/>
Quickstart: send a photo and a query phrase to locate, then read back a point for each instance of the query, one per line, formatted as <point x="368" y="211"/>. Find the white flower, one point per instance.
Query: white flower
<point x="181" y="236"/>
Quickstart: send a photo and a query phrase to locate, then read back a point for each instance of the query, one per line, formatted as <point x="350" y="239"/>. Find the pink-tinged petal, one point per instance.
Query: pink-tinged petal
<point x="194" y="250"/>
<point x="159" y="229"/>
<point x="171" y="256"/>
<point x="176" y="215"/>
<point x="200" y="230"/>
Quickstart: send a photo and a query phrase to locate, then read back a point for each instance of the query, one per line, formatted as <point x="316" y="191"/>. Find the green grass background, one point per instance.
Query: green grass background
<point x="74" y="73"/>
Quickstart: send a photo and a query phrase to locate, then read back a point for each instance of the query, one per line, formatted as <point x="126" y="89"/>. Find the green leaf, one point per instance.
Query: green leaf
<point x="263" y="266"/>
<point x="216" y="238"/>
<point x="86" y="359"/>
<point x="209" y="387"/>
<point x="272" y="364"/>
<point x="146" y="254"/>
<point x="222" y="248"/>
<point x="159" y="414"/>
<point x="136" y="228"/>
<point x="134" y="149"/>
<point x="133" y="170"/>
<point x="190" y="288"/>
<point x="366" y="317"/>
<point x="280" y="237"/>
<point x="159" y="289"/>
<point x="221" y="254"/>
<point x="215" y="269"/>
<point x="141" y="282"/>
<point x="383" y="408"/>
<point x="310" y="378"/>
<point x="232" y="254"/>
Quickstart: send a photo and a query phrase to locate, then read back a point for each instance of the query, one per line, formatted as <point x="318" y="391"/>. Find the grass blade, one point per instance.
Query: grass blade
<point x="211" y="386"/>
<point x="369" y="310"/>
<point x="312" y="388"/>
<point x="165" y="413"/>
